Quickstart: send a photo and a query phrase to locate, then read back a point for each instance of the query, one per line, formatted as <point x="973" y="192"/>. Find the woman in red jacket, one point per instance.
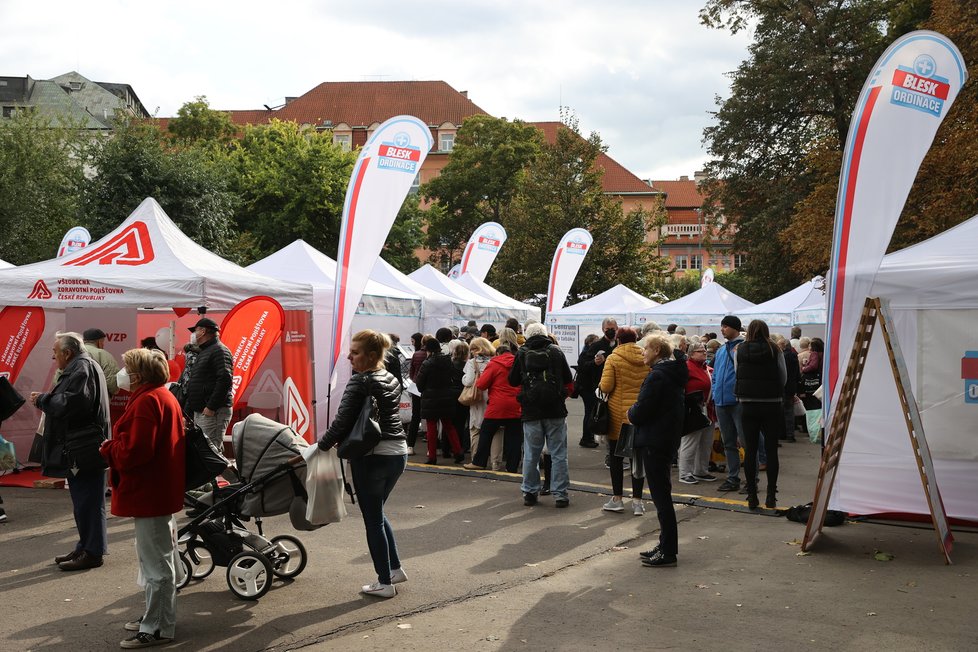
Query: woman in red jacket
<point x="146" y="461"/>
<point x="502" y="410"/>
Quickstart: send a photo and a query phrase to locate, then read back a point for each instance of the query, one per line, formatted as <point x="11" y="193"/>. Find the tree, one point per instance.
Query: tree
<point x="479" y="183"/>
<point x="407" y="234"/>
<point x="41" y="179"/>
<point x="563" y="190"/>
<point x="191" y="185"/>
<point x="197" y="122"/>
<point x="797" y="89"/>
<point x="291" y="183"/>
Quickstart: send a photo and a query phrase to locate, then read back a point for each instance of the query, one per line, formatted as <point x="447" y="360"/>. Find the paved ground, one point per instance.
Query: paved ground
<point x="487" y="573"/>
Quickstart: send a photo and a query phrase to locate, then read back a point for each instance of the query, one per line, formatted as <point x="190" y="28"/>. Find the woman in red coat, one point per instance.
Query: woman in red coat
<point x="502" y="410"/>
<point x="147" y="465"/>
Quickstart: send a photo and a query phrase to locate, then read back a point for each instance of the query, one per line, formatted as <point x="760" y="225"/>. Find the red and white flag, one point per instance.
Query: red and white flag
<point x="250" y="331"/>
<point x="76" y="238"/>
<point x="482" y="249"/>
<point x="20" y="329"/>
<point x="568" y="258"/>
<point x="908" y="93"/>
<point x="382" y="177"/>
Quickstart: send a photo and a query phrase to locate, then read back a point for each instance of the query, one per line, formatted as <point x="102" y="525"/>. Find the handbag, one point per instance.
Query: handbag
<point x="600" y="417"/>
<point x="10" y="399"/>
<point x="810" y="381"/>
<point x="365" y="434"/>
<point x="626" y="441"/>
<point x="82" y="448"/>
<point x="203" y="461"/>
<point x="694" y="418"/>
<point x="471" y="395"/>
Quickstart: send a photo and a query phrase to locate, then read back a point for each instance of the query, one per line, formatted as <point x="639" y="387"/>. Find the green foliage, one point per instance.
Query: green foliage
<point x="41" y="178"/>
<point x="407" y="235"/>
<point x="291" y="184"/>
<point x="196" y="122"/>
<point x="480" y="182"/>
<point x="191" y="185"/>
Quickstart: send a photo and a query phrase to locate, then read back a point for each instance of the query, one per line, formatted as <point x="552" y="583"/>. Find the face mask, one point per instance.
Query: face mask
<point x="610" y="333"/>
<point x="122" y="378"/>
<point x="193" y="339"/>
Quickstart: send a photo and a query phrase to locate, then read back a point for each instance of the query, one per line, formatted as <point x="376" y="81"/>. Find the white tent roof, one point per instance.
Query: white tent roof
<point x="430" y="277"/>
<point x="146" y="262"/>
<point x="779" y="310"/>
<point x="301" y="262"/>
<point x="704" y="307"/>
<point x="936" y="273"/>
<point x="473" y="284"/>
<point x="5" y="265"/>
<point x="618" y="302"/>
<point x="436" y="306"/>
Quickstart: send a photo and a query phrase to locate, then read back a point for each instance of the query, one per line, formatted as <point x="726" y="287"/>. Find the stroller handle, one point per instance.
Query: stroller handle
<point x="293" y="461"/>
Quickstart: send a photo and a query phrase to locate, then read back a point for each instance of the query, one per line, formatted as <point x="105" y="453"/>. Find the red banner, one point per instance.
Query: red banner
<point x="20" y="329"/>
<point x="250" y="330"/>
<point x="297" y="374"/>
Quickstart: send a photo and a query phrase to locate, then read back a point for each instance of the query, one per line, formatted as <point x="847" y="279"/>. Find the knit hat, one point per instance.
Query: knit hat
<point x="731" y="321"/>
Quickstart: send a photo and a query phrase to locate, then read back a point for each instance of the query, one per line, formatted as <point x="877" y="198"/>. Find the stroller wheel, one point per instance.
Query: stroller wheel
<point x="201" y="561"/>
<point x="249" y="575"/>
<point x="288" y="558"/>
<point x="186" y="573"/>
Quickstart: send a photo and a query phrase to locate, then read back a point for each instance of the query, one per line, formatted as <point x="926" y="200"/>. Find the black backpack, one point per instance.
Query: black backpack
<point x="542" y="386"/>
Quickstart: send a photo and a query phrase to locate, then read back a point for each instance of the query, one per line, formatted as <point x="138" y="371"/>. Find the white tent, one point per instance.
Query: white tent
<point x="143" y="276"/>
<point x="702" y="309"/>
<point x="805" y="302"/>
<point x="437" y="309"/>
<point x="5" y="265"/>
<point x="573" y="323"/>
<point x="934" y="303"/>
<point x="522" y="311"/>
<point x="477" y="307"/>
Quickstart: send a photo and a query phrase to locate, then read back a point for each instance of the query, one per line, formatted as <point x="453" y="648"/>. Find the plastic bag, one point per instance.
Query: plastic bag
<point x="324" y="485"/>
<point x="814" y="421"/>
<point x="8" y="456"/>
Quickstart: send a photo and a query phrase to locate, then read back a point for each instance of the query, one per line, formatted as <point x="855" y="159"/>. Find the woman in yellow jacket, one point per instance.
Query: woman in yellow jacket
<point x="622" y="377"/>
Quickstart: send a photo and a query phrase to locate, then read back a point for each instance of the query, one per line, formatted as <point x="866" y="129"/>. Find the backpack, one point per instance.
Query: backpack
<point x="541" y="382"/>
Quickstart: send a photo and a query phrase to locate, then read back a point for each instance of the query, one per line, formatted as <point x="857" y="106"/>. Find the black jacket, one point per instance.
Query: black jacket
<point x="757" y="372"/>
<point x="794" y="373"/>
<point x="210" y="378"/>
<point x="659" y="411"/>
<point x="438" y="394"/>
<point x="558" y="363"/>
<point x="383" y="387"/>
<point x="588" y="373"/>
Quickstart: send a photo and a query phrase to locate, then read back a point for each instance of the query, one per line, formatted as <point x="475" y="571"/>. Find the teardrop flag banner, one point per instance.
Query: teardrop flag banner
<point x="908" y="93"/>
<point x="708" y="277"/>
<point x="481" y="250"/>
<point x="76" y="238"/>
<point x="568" y="258"/>
<point x="20" y="329"/>
<point x="382" y="177"/>
<point x="250" y="331"/>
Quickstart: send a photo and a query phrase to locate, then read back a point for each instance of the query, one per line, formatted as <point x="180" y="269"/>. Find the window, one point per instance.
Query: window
<point x="75" y="86"/>
<point x="416" y="184"/>
<point x="696" y="261"/>
<point x="446" y="142"/>
<point x="681" y="262"/>
<point x="8" y="111"/>
<point x="345" y="141"/>
<point x="739" y="260"/>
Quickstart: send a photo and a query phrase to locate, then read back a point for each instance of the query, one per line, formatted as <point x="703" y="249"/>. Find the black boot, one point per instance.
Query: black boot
<point x="771" y="501"/>
<point x="752" y="501"/>
<point x="546" y="465"/>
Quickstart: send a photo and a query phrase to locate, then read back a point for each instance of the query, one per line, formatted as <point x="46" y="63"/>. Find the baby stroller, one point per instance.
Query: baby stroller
<point x="271" y="476"/>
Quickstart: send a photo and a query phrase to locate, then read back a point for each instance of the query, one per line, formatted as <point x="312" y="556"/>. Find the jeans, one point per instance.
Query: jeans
<point x="758" y="417"/>
<point x="512" y="440"/>
<point x="554" y="432"/>
<point x="87" y="491"/>
<point x="156" y="549"/>
<point x="216" y="426"/>
<point x="728" y="418"/>
<point x="590" y="400"/>
<point x="374" y="476"/>
<point x="658" y="465"/>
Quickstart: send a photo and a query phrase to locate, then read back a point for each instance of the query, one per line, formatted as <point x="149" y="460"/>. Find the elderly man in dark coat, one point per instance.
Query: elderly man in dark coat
<point x="76" y="422"/>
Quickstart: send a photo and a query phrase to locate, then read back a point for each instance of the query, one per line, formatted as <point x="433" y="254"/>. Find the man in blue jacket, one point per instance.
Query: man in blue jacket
<point x="727" y="407"/>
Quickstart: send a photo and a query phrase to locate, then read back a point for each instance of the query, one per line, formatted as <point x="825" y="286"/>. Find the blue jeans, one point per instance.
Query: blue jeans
<point x="728" y="418"/>
<point x="374" y="476"/>
<point x="554" y="432"/>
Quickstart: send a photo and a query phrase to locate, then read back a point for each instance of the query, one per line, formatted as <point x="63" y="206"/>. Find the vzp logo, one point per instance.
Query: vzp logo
<point x="132" y="246"/>
<point x="40" y="291"/>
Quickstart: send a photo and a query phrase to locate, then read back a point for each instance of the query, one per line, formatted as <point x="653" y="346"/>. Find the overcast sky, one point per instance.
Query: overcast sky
<point x="642" y="73"/>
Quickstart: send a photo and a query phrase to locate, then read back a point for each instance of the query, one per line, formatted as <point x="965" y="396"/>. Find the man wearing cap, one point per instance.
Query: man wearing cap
<point x="209" y="389"/>
<point x="94" y="344"/>
<point x="727" y="407"/>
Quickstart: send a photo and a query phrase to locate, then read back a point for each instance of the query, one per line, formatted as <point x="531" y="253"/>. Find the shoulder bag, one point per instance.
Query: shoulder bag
<point x="472" y="395"/>
<point x="600" y="417"/>
<point x="694" y="418"/>
<point x="626" y="441"/>
<point x="365" y="434"/>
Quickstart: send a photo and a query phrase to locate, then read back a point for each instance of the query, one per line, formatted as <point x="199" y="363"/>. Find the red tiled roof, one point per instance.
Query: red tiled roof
<point x="680" y="194"/>
<point x="617" y="179"/>
<point x="684" y="216"/>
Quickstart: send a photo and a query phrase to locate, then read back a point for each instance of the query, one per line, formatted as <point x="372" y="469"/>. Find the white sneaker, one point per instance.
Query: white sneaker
<point x="379" y="590"/>
<point x="638" y="509"/>
<point x="398" y="575"/>
<point x="613" y="506"/>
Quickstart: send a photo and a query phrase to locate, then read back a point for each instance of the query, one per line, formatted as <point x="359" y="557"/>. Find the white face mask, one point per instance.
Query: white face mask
<point x="193" y="339"/>
<point x="122" y="378"/>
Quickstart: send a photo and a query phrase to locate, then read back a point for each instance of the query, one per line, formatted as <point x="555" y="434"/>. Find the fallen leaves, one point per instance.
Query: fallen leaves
<point x="879" y="555"/>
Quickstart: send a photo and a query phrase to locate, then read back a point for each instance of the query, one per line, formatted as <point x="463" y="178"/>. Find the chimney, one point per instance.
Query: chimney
<point x="684" y="178"/>
<point x="700" y="176"/>
<point x="464" y="94"/>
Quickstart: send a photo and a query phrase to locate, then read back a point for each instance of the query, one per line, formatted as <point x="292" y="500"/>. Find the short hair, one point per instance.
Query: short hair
<point x="678" y="342"/>
<point x="591" y="339"/>
<point x="606" y="321"/>
<point x="649" y="327"/>
<point x="150" y="364"/>
<point x="432" y="345"/>
<point x="374" y="343"/>
<point x="805" y="342"/>
<point x="70" y="342"/>
<point x="795" y="332"/>
<point x="507" y="336"/>
<point x="671" y="329"/>
<point x="680" y="330"/>
<point x="443" y="334"/>
<point x="627" y="335"/>
<point x="535" y="328"/>
<point x="488" y="328"/>
<point x="460" y="352"/>
<point x="658" y="342"/>
<point x="713" y="345"/>
<point x="695" y="346"/>
<point x="395" y="338"/>
<point x="481" y="346"/>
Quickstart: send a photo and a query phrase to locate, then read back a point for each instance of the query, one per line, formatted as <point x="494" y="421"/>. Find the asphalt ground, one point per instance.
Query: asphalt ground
<point x="487" y="573"/>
